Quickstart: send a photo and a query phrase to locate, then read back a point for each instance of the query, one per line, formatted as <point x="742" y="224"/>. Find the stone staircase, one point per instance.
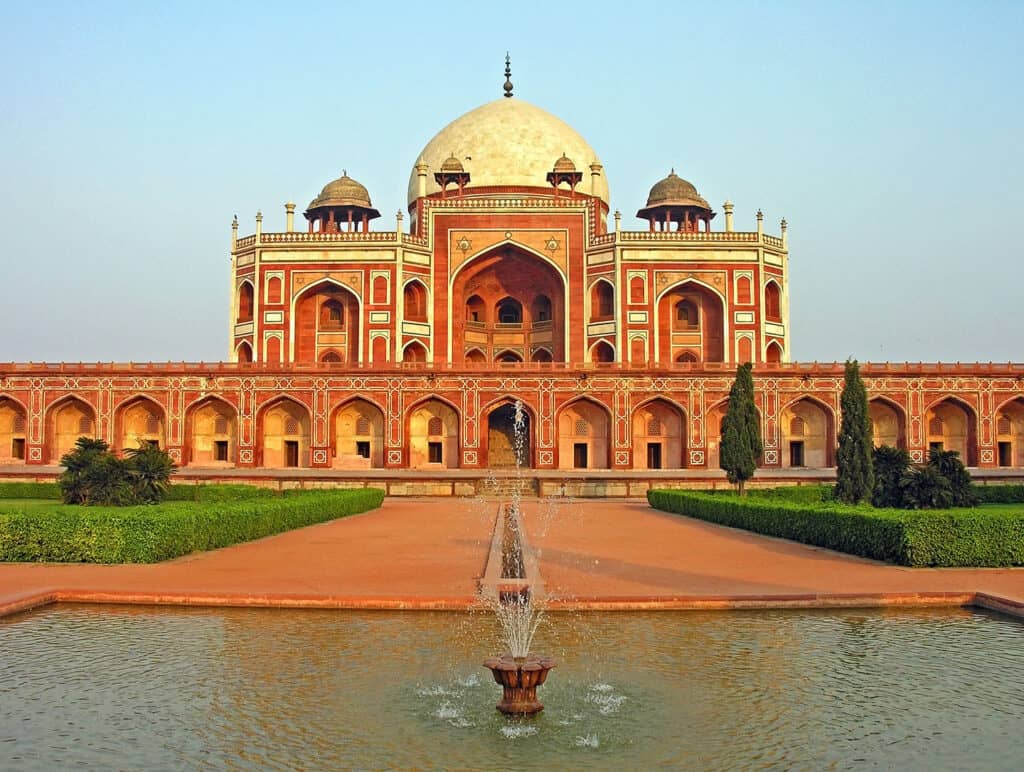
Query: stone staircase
<point x="503" y="487"/>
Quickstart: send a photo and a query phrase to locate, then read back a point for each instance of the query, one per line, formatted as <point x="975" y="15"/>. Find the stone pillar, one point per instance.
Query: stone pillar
<point x="727" y="207"/>
<point x="289" y="217"/>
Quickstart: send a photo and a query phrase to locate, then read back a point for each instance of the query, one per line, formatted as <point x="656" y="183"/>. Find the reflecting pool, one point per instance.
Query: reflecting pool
<point x="108" y="686"/>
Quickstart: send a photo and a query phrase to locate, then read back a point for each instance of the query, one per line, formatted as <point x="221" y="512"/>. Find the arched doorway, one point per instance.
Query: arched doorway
<point x="283" y="427"/>
<point x="326" y="318"/>
<point x="66" y="421"/>
<point x="691" y="317"/>
<point x="888" y="423"/>
<point x="415" y="352"/>
<point x="433" y="435"/>
<point x="950" y="425"/>
<point x="508" y="437"/>
<point x="1010" y="433"/>
<point x="713" y="420"/>
<point x="139" y="422"/>
<point x="602" y="352"/>
<point x="510" y="299"/>
<point x="658" y="436"/>
<point x="13" y="429"/>
<point x="808" y="435"/>
<point x="583" y="436"/>
<point x="358" y="436"/>
<point x="212" y="433"/>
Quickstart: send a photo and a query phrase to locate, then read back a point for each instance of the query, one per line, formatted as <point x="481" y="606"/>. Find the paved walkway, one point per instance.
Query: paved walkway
<point x="431" y="553"/>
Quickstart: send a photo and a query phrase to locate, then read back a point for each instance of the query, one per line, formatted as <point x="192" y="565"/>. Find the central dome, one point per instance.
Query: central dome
<point x="508" y="142"/>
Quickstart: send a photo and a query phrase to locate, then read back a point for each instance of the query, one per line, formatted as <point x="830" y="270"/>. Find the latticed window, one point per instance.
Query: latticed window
<point x="85" y="425"/>
<point x="363" y="425"/>
<point x="1003" y="425"/>
<point x="797" y="426"/>
<point x="291" y="426"/>
<point x="435" y="427"/>
<point x="581" y="428"/>
<point x="152" y="424"/>
<point x="935" y="426"/>
<point x="654" y="427"/>
<point x="220" y="426"/>
<point x="19" y="423"/>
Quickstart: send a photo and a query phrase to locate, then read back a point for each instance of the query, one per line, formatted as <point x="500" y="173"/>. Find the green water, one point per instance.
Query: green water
<point x="136" y="687"/>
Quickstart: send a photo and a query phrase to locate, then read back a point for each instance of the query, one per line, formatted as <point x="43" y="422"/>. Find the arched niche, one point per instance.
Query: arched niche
<point x="773" y="353"/>
<point x="691" y="317"/>
<point x="211" y="433"/>
<point x="951" y="424"/>
<point x="358" y="436"/>
<point x="659" y="440"/>
<point x="602" y="352"/>
<point x="1010" y="434"/>
<point x="713" y="418"/>
<point x="807" y="431"/>
<point x="772" y="301"/>
<point x="243" y="353"/>
<point x="414" y="302"/>
<point x="138" y="422"/>
<point x="508" y="440"/>
<point x="326" y="317"/>
<point x="66" y="421"/>
<point x="13" y="431"/>
<point x="602" y="301"/>
<point x="433" y="435"/>
<point x="415" y="353"/>
<point x="584" y="436"/>
<point x="888" y="423"/>
<point x="283" y="433"/>
<point x="246" y="301"/>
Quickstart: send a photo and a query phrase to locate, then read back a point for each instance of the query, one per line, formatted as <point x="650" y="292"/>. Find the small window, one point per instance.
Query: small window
<point x="362" y="425"/>
<point x="85" y="425"/>
<point x="654" y="427"/>
<point x="435" y="427"/>
<point x="1003" y="425"/>
<point x="363" y="448"/>
<point x="220" y="450"/>
<point x="291" y="426"/>
<point x="152" y="424"/>
<point x="936" y="446"/>
<point x="19" y="423"/>
<point x="581" y="428"/>
<point x="797" y="426"/>
<point x="18" y="449"/>
<point x="796" y="453"/>
<point x="1005" y="454"/>
<point x="935" y="426"/>
<point x="435" y="452"/>
<point x="220" y="426"/>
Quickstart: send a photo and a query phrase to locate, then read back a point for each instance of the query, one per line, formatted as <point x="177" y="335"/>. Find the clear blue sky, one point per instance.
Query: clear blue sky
<point x="890" y="136"/>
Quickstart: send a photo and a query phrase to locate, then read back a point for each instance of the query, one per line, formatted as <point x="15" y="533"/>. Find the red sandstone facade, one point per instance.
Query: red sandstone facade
<point x="356" y="348"/>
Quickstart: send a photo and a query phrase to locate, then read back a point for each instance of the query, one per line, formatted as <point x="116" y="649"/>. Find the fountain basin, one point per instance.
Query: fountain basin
<point x="519" y="678"/>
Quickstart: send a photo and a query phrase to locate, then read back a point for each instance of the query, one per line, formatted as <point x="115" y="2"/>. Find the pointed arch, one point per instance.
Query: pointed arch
<point x="13" y="431"/>
<point x="432" y="427"/>
<point x="416" y="301"/>
<point x="602" y="351"/>
<point x="314" y="309"/>
<point x="246" y="301"/>
<point x="659" y="434"/>
<point x="508" y="311"/>
<point x="816" y="446"/>
<point x="542" y="354"/>
<point x="498" y="444"/>
<point x="67" y="419"/>
<point x="772" y="301"/>
<point x="139" y="420"/>
<point x="713" y="417"/>
<point x="1009" y="431"/>
<point x="357" y="434"/>
<point x="243" y="352"/>
<point x="211" y="432"/>
<point x="415" y="352"/>
<point x="888" y="422"/>
<point x="708" y="334"/>
<point x="475" y="355"/>
<point x="773" y="352"/>
<point x="508" y="356"/>
<point x="283" y="433"/>
<point x="956" y="425"/>
<point x="584" y="434"/>
<point x="602" y="300"/>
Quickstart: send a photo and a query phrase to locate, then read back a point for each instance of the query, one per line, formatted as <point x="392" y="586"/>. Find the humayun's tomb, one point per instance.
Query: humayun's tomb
<point x="509" y="277"/>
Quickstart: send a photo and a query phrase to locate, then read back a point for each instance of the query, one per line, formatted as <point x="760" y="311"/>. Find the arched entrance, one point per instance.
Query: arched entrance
<point x="433" y="435"/>
<point x="658" y="436"/>
<point x="508" y="300"/>
<point x="139" y="422"/>
<point x="13" y="427"/>
<point x="66" y="421"/>
<point x="691" y="318"/>
<point x="507" y="445"/>
<point x="326" y="320"/>
<point x="808" y="435"/>
<point x="1010" y="433"/>
<point x="284" y="435"/>
<point x="583" y="436"/>
<point x="888" y="424"/>
<point x="950" y="425"/>
<point x="212" y="433"/>
<point x="713" y="420"/>
<point x="358" y="436"/>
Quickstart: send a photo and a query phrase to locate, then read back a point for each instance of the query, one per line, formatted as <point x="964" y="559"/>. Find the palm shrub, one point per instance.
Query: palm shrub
<point x="94" y="476"/>
<point x="925" y="487"/>
<point x="948" y="464"/>
<point x="890" y="465"/>
<point x="741" y="431"/>
<point x="855" y="472"/>
<point x="149" y="471"/>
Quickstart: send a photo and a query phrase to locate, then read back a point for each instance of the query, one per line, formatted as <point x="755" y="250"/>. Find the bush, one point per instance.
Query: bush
<point x="948" y="464"/>
<point x="148" y="534"/>
<point x="996" y="494"/>
<point x="925" y="487"/>
<point x="29" y="490"/>
<point x="911" y="538"/>
<point x="219" y="493"/>
<point x="799" y="494"/>
<point x="93" y="475"/>
<point x="890" y="464"/>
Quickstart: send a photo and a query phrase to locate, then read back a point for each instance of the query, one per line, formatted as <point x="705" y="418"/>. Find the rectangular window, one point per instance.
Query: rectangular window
<point x="363" y="448"/>
<point x="291" y="453"/>
<point x="654" y="455"/>
<point x="18" y="449"/>
<point x="935" y="446"/>
<point x="796" y="453"/>
<point x="435" y="452"/>
<point x="152" y="443"/>
<point x="1005" y="454"/>
<point x="579" y="455"/>
<point x="220" y="450"/>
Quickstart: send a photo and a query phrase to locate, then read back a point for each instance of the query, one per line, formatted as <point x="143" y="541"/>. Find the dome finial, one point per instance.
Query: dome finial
<point x="508" y="75"/>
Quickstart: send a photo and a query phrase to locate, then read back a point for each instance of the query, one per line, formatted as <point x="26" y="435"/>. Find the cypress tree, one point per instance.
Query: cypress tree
<point x="856" y="476"/>
<point x="741" y="431"/>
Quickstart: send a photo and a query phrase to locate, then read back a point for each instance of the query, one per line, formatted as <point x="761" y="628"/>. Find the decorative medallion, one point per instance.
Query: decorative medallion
<point x="696" y="457"/>
<point x="319" y="456"/>
<point x="552" y="244"/>
<point x="245" y="456"/>
<point x="469" y="457"/>
<point x="394" y="457"/>
<point x="622" y="457"/>
<point x="545" y="457"/>
<point x="771" y="457"/>
<point x="464" y="245"/>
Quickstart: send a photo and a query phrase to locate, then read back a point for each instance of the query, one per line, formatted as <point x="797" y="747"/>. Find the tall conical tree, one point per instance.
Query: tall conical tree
<point x="855" y="473"/>
<point x="741" y="431"/>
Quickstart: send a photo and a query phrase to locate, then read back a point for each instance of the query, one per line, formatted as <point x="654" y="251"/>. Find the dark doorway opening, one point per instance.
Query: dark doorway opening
<point x="363" y="448"/>
<point x="220" y="450"/>
<point x="796" y="453"/>
<point x="1005" y="454"/>
<point x="654" y="455"/>
<point x="579" y="455"/>
<point x="435" y="452"/>
<point x="502" y="448"/>
<point x="291" y="453"/>
<point x="18" y="449"/>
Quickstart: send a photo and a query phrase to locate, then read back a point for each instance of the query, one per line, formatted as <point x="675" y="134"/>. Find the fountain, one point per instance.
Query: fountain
<point x="512" y="585"/>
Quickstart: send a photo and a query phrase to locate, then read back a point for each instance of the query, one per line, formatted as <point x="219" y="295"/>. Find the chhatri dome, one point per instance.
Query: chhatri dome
<point x="508" y="142"/>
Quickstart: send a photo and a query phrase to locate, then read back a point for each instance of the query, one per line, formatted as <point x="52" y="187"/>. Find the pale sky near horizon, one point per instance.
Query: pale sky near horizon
<point x="889" y="135"/>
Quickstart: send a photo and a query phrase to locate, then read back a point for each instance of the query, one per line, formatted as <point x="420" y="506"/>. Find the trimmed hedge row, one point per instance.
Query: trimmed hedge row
<point x="961" y="537"/>
<point x="29" y="490"/>
<point x="149" y="534"/>
<point x="214" y="492"/>
<point x="999" y="494"/>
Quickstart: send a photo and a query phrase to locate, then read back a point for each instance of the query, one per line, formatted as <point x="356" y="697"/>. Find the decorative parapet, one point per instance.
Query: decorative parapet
<point x="675" y="237"/>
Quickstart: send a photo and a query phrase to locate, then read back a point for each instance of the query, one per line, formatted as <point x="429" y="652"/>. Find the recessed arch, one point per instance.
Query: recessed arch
<point x="211" y="432"/>
<point x="951" y="423"/>
<point x="433" y="432"/>
<point x="357" y="434"/>
<point x="602" y="300"/>
<point x="602" y="351"/>
<point x="13" y="431"/>
<point x="1009" y="431"/>
<point x="814" y="445"/>
<point x="708" y="334"/>
<point x="416" y="301"/>
<point x="246" y="301"/>
<point x="243" y="352"/>
<point x="584" y="434"/>
<point x="500" y="447"/>
<point x="659" y="434"/>
<point x="713" y="418"/>
<point x="67" y="419"/>
<point x="139" y="420"/>
<point x="772" y="301"/>
<point x="888" y="423"/>
<point x="476" y="355"/>
<point x="283" y="433"/>
<point x="773" y="352"/>
<point x="542" y="354"/>
<point x="414" y="352"/>
<point x="312" y="310"/>
<point x="508" y="356"/>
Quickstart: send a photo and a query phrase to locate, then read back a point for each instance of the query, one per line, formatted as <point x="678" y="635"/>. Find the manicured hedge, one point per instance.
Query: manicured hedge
<point x="999" y="494"/>
<point x="29" y="490"/>
<point x="961" y="537"/>
<point x="219" y="493"/>
<point x="148" y="534"/>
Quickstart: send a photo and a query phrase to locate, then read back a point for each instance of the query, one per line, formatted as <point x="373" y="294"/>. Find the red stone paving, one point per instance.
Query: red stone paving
<point x="431" y="553"/>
